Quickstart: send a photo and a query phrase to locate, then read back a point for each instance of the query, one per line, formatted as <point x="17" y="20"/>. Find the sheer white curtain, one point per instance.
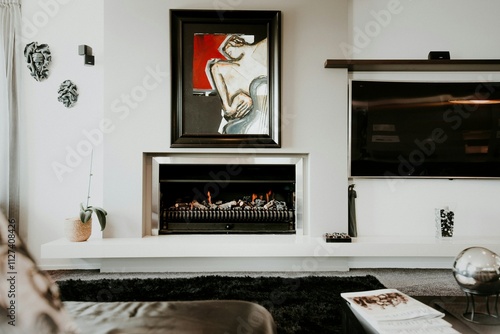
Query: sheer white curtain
<point x="10" y="60"/>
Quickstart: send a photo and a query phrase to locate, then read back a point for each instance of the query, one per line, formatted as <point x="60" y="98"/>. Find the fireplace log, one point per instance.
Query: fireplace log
<point x="227" y="205"/>
<point x="269" y="204"/>
<point x="197" y="205"/>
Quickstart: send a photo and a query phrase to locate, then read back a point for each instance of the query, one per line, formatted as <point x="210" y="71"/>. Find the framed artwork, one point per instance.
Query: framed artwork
<point x="225" y="78"/>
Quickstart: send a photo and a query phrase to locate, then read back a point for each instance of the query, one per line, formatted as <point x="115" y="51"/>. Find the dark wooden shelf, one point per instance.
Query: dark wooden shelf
<point x="414" y="64"/>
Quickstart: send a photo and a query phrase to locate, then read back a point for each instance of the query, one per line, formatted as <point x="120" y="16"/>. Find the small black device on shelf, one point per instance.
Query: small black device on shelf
<point x="439" y="55"/>
<point x="337" y="237"/>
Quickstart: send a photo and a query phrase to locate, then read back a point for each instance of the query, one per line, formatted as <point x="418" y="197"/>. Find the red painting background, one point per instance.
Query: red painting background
<point x="205" y="47"/>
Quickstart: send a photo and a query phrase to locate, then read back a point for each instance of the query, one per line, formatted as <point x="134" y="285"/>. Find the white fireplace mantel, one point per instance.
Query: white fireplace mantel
<point x="171" y="253"/>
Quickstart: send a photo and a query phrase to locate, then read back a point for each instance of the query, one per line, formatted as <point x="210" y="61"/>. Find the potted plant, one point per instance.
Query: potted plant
<point x="80" y="228"/>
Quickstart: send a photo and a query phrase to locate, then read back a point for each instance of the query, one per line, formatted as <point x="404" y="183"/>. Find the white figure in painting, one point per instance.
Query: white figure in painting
<point x="241" y="82"/>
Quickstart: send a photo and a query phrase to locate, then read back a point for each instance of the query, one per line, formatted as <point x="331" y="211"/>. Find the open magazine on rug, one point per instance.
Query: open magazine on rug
<point x="391" y="311"/>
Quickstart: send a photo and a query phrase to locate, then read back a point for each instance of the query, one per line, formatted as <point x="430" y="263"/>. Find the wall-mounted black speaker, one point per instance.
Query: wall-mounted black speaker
<point x="89" y="60"/>
<point x="84" y="50"/>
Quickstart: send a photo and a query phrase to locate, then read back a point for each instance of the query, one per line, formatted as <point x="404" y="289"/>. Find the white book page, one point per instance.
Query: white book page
<point x="389" y="305"/>
<point x="429" y="326"/>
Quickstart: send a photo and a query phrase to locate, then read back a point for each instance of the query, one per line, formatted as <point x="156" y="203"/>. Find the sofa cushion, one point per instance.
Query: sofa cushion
<point x="179" y="317"/>
<point x="29" y="299"/>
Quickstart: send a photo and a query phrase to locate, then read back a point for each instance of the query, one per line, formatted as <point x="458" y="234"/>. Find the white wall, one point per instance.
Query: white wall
<point x="54" y="181"/>
<point x="408" y="29"/>
<point x="130" y="38"/>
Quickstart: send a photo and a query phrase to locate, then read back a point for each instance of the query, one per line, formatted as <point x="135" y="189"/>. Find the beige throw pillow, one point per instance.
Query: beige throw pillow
<point x="29" y="299"/>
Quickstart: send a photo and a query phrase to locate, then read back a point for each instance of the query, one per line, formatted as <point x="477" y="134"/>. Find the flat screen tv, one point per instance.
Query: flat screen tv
<point x="424" y="129"/>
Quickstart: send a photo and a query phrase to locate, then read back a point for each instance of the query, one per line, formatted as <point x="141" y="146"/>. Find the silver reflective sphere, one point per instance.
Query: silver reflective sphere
<point x="477" y="271"/>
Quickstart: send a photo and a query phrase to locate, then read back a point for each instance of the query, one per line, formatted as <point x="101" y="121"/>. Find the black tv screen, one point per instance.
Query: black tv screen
<point x="425" y="129"/>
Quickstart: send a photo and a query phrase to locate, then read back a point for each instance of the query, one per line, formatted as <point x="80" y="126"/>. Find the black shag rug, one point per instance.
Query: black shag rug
<point x="299" y="305"/>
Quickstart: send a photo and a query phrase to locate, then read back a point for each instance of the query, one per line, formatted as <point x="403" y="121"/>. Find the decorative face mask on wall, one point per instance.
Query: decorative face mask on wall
<point x="68" y="93"/>
<point x="38" y="58"/>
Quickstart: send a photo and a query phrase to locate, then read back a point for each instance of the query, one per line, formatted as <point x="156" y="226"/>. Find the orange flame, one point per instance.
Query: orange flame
<point x="268" y="195"/>
<point x="209" y="198"/>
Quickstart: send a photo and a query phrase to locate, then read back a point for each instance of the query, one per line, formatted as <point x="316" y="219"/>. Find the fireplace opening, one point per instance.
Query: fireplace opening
<point x="224" y="198"/>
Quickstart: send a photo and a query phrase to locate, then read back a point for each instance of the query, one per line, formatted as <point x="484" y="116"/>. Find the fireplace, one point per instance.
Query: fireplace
<point x="226" y="195"/>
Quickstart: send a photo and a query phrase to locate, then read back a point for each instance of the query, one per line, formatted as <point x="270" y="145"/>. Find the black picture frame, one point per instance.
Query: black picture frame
<point x="197" y="113"/>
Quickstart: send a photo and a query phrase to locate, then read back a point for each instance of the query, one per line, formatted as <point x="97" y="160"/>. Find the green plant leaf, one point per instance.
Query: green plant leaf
<point x="87" y="215"/>
<point x="82" y="215"/>
<point x="96" y="208"/>
<point x="101" y="216"/>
